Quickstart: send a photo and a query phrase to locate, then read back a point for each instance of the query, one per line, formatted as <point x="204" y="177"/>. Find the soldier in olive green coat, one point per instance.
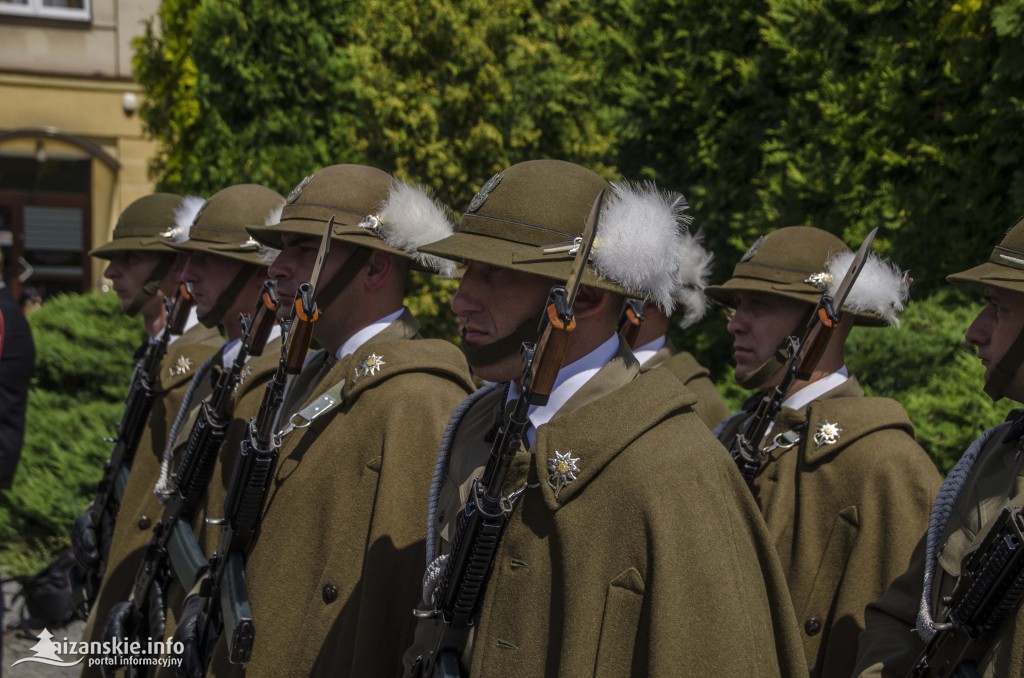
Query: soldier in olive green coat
<point x="844" y="489"/>
<point x="988" y="477"/>
<point x="143" y="268"/>
<point x="225" y="272"/>
<point x="332" y="575"/>
<point x="632" y="546"/>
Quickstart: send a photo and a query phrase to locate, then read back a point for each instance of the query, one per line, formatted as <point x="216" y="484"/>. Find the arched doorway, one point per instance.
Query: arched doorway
<point x="46" y="200"/>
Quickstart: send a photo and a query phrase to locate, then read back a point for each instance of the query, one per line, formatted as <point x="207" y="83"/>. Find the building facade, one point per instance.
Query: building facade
<point x="72" y="149"/>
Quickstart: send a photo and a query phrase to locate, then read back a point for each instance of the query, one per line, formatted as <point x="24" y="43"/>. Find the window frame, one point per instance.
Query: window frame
<point x="37" y="10"/>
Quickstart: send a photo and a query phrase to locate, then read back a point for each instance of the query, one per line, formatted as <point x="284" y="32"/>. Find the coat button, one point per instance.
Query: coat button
<point x="330" y="593"/>
<point x="812" y="626"/>
<point x="144" y="523"/>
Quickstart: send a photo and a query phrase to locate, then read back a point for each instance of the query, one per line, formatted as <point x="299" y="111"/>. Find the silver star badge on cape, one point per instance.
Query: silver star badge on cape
<point x="181" y="366"/>
<point x="370" y="366"/>
<point x="563" y="470"/>
<point x="827" y="434"/>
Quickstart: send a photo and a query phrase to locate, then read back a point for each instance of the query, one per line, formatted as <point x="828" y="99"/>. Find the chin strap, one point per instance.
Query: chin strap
<point x="152" y="286"/>
<point x="496" y="351"/>
<point x="1003" y="371"/>
<point x="343" y="277"/>
<point x="227" y="297"/>
<point x="766" y="370"/>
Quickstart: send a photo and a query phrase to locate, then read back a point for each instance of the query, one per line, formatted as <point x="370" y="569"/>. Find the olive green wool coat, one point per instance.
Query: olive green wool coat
<point x="334" y="573"/>
<point x="653" y="562"/>
<point x="888" y="646"/>
<point x="710" y="406"/>
<point x="844" y="516"/>
<point x="140" y="509"/>
<point x="245" y="401"/>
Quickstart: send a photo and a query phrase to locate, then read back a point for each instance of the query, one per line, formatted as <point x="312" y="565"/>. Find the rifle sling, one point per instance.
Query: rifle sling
<point x="320" y="406"/>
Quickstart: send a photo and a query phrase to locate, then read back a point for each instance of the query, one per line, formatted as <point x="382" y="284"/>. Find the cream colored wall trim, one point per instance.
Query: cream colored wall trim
<point x="50" y="82"/>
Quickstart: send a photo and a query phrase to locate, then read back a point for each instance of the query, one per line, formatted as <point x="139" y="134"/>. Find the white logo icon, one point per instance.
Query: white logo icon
<point x="46" y="652"/>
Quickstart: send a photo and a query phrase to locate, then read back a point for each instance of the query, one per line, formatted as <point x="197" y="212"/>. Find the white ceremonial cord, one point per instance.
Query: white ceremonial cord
<point x="941" y="510"/>
<point x="164" y="488"/>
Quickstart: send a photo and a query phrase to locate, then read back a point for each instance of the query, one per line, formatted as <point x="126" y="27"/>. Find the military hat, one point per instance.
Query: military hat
<point x="1005" y="266"/>
<point x="527" y="217"/>
<point x="1003" y="270"/>
<point x="801" y="263"/>
<point x="220" y="226"/>
<point x="370" y="209"/>
<point x="149" y="225"/>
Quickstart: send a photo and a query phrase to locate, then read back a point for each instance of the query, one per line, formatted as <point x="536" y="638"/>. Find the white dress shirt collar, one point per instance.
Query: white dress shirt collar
<point x="570" y="379"/>
<point x="816" y="389"/>
<point x="352" y="344"/>
<point x="647" y="351"/>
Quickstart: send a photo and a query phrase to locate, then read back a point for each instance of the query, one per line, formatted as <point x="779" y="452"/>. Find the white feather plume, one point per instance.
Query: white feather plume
<point x="881" y="288"/>
<point x="409" y="219"/>
<point x="639" y="242"/>
<point x="274" y="218"/>
<point x="694" y="272"/>
<point x="184" y="215"/>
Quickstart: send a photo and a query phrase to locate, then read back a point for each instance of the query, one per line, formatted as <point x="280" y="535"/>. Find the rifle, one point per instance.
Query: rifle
<point x="989" y="590"/>
<point x="225" y="601"/>
<point x="803" y="356"/>
<point x="198" y="460"/>
<point x="486" y="513"/>
<point x="138" y="405"/>
<point x="632" y="321"/>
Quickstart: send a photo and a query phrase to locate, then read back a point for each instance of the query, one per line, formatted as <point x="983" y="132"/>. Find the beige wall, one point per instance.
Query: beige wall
<point x="72" y="77"/>
<point x="100" y="48"/>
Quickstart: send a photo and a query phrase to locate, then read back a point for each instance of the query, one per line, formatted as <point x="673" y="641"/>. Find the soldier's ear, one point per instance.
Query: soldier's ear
<point x="379" y="269"/>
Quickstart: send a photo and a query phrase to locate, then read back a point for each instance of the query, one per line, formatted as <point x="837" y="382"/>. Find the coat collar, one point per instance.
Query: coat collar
<point x="846" y="408"/>
<point x="598" y="424"/>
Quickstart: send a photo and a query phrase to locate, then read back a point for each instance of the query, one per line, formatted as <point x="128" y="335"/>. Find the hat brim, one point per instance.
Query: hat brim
<point x="990" y="274"/>
<point x="348" y="233"/>
<point x="221" y="250"/>
<point x="725" y="293"/>
<point x="483" y="249"/>
<point x="125" y="245"/>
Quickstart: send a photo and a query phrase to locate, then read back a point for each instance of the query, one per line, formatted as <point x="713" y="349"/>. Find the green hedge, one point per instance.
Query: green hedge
<point x="84" y="346"/>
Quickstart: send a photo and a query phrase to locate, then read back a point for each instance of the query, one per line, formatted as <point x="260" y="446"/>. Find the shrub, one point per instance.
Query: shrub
<point x="84" y="346"/>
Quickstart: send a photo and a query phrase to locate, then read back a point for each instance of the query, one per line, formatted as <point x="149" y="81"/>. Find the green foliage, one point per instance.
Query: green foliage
<point x="84" y="346"/>
<point x="928" y="367"/>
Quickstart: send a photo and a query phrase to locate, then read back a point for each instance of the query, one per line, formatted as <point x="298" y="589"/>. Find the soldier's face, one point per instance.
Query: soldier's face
<point x="128" y="272"/>
<point x="491" y="303"/>
<point x="759" y="324"/>
<point x="995" y="329"/>
<point x="209" y="275"/>
<point x="294" y="266"/>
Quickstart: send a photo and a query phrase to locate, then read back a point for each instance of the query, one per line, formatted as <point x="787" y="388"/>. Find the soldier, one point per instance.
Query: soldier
<point x="652" y="346"/>
<point x="987" y="478"/>
<point x="331" y="576"/>
<point x="633" y="547"/>
<point x="225" y="270"/>
<point x="845" y="488"/>
<point x="144" y="268"/>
